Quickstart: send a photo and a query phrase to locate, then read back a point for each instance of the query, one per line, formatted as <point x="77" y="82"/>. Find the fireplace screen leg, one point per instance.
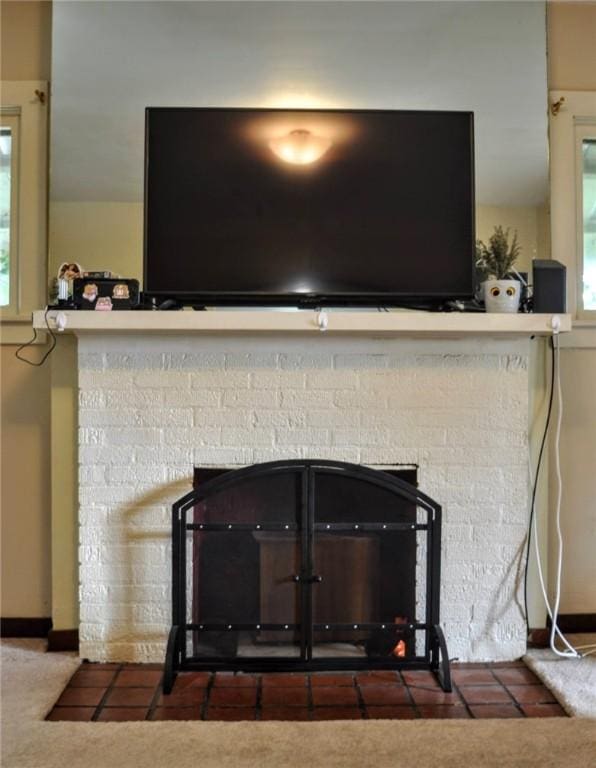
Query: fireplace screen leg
<point x="171" y="663"/>
<point x="440" y="657"/>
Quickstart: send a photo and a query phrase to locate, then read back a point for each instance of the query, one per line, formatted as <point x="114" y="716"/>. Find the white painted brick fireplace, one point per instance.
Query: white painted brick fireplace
<point x="152" y="406"/>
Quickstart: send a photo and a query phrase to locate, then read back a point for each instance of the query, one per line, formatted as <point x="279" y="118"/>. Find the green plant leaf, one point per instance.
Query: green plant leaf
<point x="498" y="257"/>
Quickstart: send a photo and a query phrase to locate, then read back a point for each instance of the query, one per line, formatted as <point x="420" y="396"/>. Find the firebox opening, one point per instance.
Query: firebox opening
<point x="248" y="580"/>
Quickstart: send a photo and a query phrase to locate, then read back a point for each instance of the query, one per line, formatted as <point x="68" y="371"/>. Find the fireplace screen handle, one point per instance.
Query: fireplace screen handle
<point x="316" y="579"/>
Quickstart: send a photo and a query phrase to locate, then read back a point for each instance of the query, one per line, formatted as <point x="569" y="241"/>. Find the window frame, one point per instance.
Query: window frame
<point x="22" y="98"/>
<point x="576" y="112"/>
<point x="11" y="119"/>
<point x="583" y="130"/>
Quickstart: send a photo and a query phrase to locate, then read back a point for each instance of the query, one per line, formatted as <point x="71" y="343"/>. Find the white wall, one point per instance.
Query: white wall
<point x="486" y="57"/>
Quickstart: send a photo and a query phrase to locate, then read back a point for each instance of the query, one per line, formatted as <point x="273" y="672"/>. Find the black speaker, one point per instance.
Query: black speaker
<point x="549" y="278"/>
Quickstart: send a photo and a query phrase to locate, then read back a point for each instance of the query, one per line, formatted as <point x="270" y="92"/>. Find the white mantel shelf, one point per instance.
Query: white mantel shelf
<point x="399" y="323"/>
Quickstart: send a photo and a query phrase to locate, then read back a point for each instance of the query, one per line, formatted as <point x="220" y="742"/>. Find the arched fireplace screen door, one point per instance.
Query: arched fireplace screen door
<point x="306" y="565"/>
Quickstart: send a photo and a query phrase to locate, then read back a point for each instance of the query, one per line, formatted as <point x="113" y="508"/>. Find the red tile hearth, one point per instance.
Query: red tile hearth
<point x="130" y="697"/>
<point x="138" y="678"/>
<point x="385" y="695"/>
<point x="499" y="711"/>
<point x="233" y="697"/>
<point x="122" y="714"/>
<point x="127" y="692"/>
<point x="286" y="697"/>
<point x="81" y="697"/>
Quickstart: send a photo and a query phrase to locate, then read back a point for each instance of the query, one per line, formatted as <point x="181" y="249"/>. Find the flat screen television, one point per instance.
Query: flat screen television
<point x="308" y="207"/>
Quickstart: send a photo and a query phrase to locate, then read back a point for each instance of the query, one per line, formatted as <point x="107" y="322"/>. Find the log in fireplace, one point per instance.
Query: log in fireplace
<point x="305" y="565"/>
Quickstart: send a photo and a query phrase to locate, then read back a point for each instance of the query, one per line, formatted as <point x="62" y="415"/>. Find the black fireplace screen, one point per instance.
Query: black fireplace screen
<point x="305" y="565"/>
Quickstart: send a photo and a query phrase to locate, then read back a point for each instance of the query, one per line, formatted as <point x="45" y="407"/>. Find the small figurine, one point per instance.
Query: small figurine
<point x="104" y="304"/>
<point x="121" y="291"/>
<point x="90" y="292"/>
<point x="69" y="270"/>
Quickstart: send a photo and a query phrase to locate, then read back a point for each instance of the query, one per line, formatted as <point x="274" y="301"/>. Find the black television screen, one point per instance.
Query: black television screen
<point x="308" y="207"/>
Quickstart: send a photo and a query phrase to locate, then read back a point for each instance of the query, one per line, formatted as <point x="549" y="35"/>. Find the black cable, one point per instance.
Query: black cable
<point x="536" y="476"/>
<point x="33" y="340"/>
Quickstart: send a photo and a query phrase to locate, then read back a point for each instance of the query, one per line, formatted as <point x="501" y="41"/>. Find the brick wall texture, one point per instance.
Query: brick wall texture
<point x="152" y="407"/>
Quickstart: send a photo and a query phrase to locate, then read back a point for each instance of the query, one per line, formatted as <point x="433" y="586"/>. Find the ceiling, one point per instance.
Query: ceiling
<point x="112" y="59"/>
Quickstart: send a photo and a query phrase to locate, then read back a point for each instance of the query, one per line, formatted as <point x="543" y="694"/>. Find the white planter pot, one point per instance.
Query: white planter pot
<point x="502" y="295"/>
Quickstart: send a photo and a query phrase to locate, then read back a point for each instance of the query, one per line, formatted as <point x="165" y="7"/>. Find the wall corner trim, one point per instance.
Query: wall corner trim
<point x="63" y="640"/>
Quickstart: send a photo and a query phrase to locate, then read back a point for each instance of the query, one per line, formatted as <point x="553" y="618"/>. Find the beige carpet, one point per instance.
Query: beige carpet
<point x="32" y="680"/>
<point x="572" y="681"/>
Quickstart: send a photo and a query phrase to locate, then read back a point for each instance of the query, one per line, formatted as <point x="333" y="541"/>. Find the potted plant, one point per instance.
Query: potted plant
<point x="495" y="262"/>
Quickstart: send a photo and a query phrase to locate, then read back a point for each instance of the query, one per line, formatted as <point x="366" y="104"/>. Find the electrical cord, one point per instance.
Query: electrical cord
<point x="33" y="340"/>
<point x="569" y="651"/>
<point x="560" y="635"/>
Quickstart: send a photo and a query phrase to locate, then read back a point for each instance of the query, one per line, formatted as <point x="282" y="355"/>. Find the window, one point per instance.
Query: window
<point x="9" y="142"/>
<point x="23" y="205"/>
<point x="587" y="225"/>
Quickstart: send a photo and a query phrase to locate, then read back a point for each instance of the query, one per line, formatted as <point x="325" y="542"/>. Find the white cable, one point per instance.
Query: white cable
<point x="519" y="277"/>
<point x="571" y="652"/>
<point x="537" y="549"/>
<point x="542" y="584"/>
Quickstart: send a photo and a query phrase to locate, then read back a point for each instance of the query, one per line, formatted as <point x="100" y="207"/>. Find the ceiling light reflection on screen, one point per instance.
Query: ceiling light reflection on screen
<point x="302" y="288"/>
<point x="300" y="147"/>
